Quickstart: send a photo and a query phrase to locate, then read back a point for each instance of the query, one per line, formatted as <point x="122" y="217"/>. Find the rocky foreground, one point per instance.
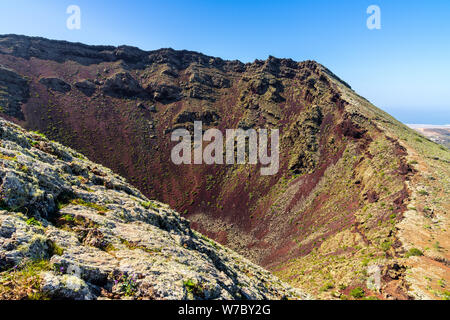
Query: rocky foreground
<point x="72" y="229"/>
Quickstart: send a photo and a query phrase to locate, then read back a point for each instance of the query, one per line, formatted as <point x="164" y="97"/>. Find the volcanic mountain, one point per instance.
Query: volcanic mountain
<point x="359" y="204"/>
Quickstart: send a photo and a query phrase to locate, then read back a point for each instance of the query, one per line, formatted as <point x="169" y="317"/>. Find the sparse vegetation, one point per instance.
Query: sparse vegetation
<point x="413" y="252"/>
<point x="357" y="293"/>
<point x="134" y="245"/>
<point x="386" y="245"/>
<point x="23" y="281"/>
<point x="127" y="284"/>
<point x="33" y="222"/>
<point x="55" y="249"/>
<point x="150" y="205"/>
<point x="445" y="295"/>
<point x="40" y="134"/>
<point x="68" y="218"/>
<point x="327" y="286"/>
<point x="193" y="287"/>
<point x="95" y="206"/>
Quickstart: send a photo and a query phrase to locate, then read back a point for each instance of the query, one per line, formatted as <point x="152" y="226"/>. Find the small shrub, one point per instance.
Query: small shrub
<point x="437" y="246"/>
<point x="68" y="218"/>
<point x="127" y="284"/>
<point x="189" y="285"/>
<point x="24" y="168"/>
<point x="386" y="245"/>
<point x="34" y="143"/>
<point x="357" y="293"/>
<point x="23" y="281"/>
<point x="109" y="248"/>
<point x="95" y="206"/>
<point x="55" y="249"/>
<point x="327" y="286"/>
<point x="413" y="252"/>
<point x="446" y="295"/>
<point x="193" y="287"/>
<point x="33" y="222"/>
<point x="39" y="134"/>
<point x="150" y="205"/>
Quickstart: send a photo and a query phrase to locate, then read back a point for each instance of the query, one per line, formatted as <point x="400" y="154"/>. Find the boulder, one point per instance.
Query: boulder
<point x="122" y="84"/>
<point x="86" y="86"/>
<point x="56" y="84"/>
<point x="165" y="93"/>
<point x="65" y="287"/>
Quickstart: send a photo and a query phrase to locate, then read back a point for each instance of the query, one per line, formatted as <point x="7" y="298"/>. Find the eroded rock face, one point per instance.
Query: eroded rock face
<point x="207" y="117"/>
<point x="101" y="238"/>
<point x="56" y="84"/>
<point x="122" y="84"/>
<point x="164" y="93"/>
<point x="86" y="86"/>
<point x="14" y="91"/>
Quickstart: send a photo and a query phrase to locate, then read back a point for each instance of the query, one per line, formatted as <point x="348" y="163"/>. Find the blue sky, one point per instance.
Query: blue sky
<point x="404" y="68"/>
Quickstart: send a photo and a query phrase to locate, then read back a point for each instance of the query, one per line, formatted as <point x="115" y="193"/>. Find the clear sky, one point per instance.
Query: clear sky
<point x="403" y="68"/>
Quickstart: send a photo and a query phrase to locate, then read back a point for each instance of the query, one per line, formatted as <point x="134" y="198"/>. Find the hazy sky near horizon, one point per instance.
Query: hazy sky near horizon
<point x="403" y="68"/>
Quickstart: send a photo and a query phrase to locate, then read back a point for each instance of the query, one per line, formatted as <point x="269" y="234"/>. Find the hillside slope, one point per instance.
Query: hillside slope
<point x="356" y="189"/>
<point x="71" y="229"/>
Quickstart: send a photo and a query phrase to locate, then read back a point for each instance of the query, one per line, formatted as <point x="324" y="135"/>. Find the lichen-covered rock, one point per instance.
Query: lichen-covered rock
<point x="102" y="238"/>
<point x="65" y="286"/>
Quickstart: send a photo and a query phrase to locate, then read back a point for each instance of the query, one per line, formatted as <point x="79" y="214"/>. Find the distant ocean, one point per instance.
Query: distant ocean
<point x="428" y="126"/>
<point x="423" y="116"/>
